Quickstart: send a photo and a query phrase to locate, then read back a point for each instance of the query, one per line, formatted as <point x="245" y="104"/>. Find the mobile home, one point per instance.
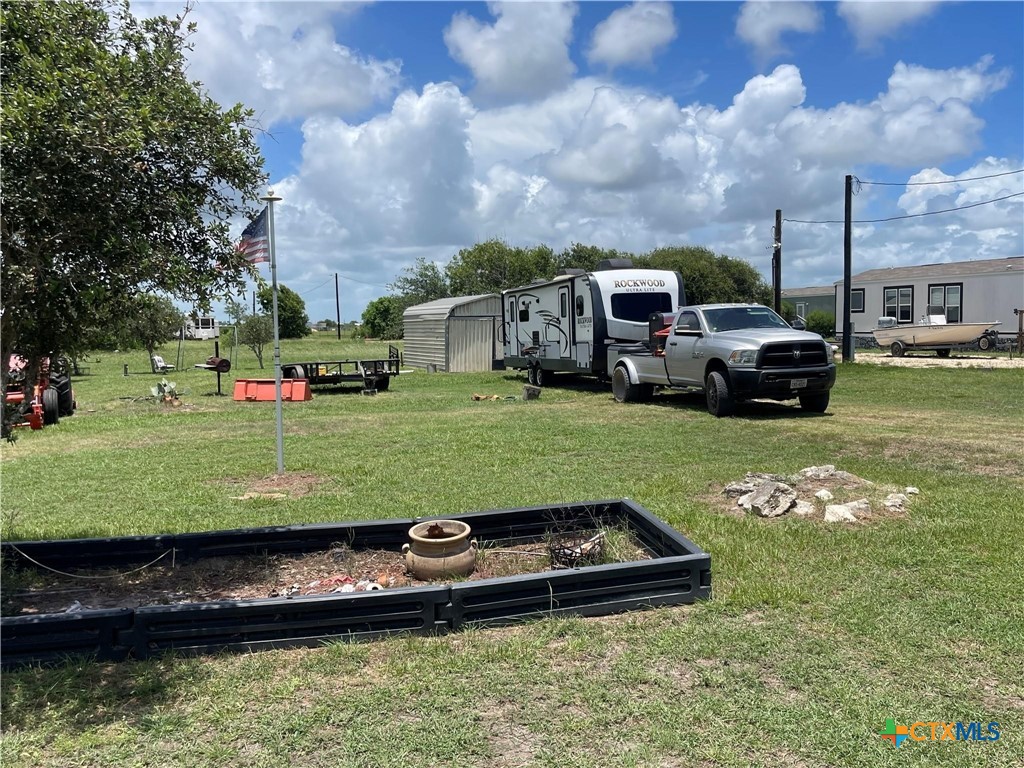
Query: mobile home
<point x="566" y="323"/>
<point x="987" y="290"/>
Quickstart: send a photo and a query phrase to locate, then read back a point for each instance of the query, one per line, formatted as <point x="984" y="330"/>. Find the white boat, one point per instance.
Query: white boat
<point x="932" y="332"/>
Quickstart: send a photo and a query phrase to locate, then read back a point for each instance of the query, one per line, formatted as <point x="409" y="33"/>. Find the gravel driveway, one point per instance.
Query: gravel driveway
<point x="930" y="360"/>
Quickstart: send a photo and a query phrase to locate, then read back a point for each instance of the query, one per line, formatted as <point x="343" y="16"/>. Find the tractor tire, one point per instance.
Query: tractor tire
<point x="719" y="398"/>
<point x="65" y="397"/>
<point x="51" y="406"/>
<point x="623" y="389"/>
<point x="816" y="403"/>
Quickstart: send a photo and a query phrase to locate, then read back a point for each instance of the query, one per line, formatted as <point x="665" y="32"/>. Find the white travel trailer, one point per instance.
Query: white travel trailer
<point x="202" y="327"/>
<point x="567" y="323"/>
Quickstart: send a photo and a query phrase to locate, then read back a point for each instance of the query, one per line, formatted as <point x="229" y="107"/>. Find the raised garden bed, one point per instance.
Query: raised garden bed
<point x="674" y="572"/>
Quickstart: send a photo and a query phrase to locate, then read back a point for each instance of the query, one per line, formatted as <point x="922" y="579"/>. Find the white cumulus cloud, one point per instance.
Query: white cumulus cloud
<point x="281" y="59"/>
<point x="871" y="20"/>
<point x="523" y="54"/>
<point x="632" y="35"/>
<point x="762" y="23"/>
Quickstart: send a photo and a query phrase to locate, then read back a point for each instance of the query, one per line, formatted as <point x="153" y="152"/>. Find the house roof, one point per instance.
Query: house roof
<point x="444" y="306"/>
<point x="1014" y="264"/>
<point x="816" y="290"/>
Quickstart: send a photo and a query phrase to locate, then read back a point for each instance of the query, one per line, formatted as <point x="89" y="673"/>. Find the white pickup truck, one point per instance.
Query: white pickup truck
<point x="733" y="352"/>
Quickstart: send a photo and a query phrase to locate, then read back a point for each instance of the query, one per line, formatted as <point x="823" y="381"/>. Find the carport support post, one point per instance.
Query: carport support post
<point x="847" y="270"/>
<point x="270" y="197"/>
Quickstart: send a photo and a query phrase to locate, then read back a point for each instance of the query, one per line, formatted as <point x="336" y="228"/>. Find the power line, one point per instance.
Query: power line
<point x="908" y="216"/>
<point x="927" y="183"/>
<point x="325" y="282"/>
<point x="363" y="282"/>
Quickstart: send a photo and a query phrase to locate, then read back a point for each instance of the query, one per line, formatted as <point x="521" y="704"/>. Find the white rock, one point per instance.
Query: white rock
<point x="895" y="502"/>
<point x="744" y="501"/>
<point x="911" y="490"/>
<point x="824" y="495"/>
<point x="818" y="473"/>
<point x="756" y="478"/>
<point x="804" y="508"/>
<point x="860" y="508"/>
<point x="770" y="499"/>
<point x="738" y="489"/>
<point x="839" y="513"/>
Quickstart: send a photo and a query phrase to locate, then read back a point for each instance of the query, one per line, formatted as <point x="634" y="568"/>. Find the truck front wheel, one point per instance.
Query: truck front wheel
<point x="815" y="403"/>
<point x="623" y="389"/>
<point x="720" y="399"/>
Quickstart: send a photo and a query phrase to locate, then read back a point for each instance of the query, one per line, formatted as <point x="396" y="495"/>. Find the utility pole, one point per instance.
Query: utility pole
<point x="337" y="303"/>
<point x="847" y="270"/>
<point x="777" y="261"/>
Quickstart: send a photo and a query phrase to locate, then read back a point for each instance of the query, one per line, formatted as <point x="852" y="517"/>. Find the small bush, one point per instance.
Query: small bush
<point x="821" y="322"/>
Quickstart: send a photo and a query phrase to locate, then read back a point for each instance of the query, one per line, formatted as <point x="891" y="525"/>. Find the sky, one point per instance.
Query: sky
<point x="401" y="130"/>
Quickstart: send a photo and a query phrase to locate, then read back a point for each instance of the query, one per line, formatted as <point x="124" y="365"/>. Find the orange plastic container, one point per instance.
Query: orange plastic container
<point x="262" y="390"/>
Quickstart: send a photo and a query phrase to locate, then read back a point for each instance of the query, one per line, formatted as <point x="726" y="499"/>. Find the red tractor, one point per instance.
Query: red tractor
<point x="45" y="400"/>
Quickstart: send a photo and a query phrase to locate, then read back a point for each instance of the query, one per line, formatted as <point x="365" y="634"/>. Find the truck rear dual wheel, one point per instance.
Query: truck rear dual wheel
<point x="719" y="398"/>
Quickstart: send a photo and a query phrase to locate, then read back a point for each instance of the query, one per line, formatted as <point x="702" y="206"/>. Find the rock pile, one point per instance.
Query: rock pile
<point x="771" y="495"/>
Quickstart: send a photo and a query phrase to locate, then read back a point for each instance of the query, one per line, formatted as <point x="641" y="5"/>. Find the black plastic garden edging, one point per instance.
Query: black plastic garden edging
<point x="679" y="573"/>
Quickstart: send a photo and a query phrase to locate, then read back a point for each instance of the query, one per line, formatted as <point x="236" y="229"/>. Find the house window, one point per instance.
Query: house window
<point x="579" y="306"/>
<point x="857" y="300"/>
<point x="948" y="297"/>
<point x="899" y="303"/>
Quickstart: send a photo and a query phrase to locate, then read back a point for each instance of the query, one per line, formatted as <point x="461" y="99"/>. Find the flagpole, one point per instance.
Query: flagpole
<point x="270" y="198"/>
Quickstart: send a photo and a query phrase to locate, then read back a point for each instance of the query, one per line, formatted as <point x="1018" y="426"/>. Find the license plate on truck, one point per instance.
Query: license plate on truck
<point x="797" y="383"/>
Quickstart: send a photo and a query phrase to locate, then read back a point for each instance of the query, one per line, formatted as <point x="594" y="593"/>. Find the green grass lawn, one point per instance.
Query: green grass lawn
<point x="815" y="635"/>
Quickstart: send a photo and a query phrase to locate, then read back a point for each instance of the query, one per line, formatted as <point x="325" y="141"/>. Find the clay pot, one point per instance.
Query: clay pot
<point x="440" y="548"/>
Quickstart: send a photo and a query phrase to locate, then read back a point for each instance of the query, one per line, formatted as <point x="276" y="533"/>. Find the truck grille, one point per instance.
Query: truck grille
<point x="804" y="354"/>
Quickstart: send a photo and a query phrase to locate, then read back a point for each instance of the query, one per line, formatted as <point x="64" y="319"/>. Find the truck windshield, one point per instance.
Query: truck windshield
<point x="637" y="307"/>
<point x="738" y="318"/>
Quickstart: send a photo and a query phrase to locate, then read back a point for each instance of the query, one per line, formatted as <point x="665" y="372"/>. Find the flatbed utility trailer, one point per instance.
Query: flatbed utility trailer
<point x="372" y="374"/>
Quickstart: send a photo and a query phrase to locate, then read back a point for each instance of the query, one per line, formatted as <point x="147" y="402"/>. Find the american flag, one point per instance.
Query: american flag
<point x="255" y="244"/>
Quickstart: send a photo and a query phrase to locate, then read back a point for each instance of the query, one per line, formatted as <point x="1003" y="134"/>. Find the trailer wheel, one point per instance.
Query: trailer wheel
<point x="816" y="403"/>
<point x="942" y="352"/>
<point x="539" y="376"/>
<point x="720" y="400"/>
<point x="531" y="375"/>
<point x="985" y="343"/>
<point x="293" y="372"/>
<point x="897" y="349"/>
<point x="623" y="389"/>
<point x="382" y="383"/>
<point x="51" y="406"/>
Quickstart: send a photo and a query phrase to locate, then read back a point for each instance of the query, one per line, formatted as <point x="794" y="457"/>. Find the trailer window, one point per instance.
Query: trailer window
<point x="564" y="305"/>
<point x="524" y="313"/>
<point x="636" y="307"/>
<point x="579" y="306"/>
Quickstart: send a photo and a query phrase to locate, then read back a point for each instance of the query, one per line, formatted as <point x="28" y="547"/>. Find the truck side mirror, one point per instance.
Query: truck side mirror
<point x="799" y="325"/>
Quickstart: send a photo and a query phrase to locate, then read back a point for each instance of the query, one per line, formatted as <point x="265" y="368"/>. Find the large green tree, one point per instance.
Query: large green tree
<point x="420" y="283"/>
<point x="292" y="320"/>
<point x="492" y="266"/>
<point x="382" y="318"/>
<point x="710" y="277"/>
<point x="151" y="321"/>
<point x="120" y="175"/>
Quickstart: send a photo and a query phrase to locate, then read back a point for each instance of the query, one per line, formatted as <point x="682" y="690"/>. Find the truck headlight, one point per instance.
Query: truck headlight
<point x="743" y="357"/>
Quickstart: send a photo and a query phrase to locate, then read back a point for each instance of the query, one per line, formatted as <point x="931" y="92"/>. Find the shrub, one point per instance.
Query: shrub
<point x="821" y="322"/>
